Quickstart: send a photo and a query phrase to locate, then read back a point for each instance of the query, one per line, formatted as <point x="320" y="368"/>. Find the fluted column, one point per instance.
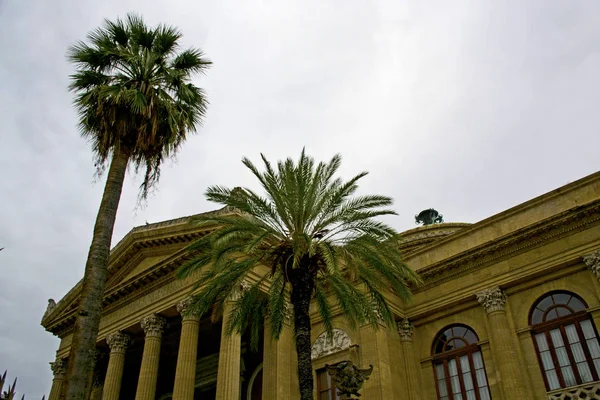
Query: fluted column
<point x="504" y="344"/>
<point x="405" y="330"/>
<point x="59" y="368"/>
<point x="153" y="326"/>
<point x="117" y="342"/>
<point x="185" y="372"/>
<point x="228" y="376"/>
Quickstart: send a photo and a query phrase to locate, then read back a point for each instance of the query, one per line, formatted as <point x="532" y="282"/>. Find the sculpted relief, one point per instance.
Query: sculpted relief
<point x="325" y="345"/>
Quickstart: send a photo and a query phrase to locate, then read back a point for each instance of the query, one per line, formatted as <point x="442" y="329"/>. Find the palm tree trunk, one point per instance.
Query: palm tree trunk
<point x="302" y="289"/>
<point x="94" y="282"/>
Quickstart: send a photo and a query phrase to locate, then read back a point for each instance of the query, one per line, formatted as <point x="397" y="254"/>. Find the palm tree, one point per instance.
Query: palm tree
<point x="318" y="241"/>
<point x="136" y="105"/>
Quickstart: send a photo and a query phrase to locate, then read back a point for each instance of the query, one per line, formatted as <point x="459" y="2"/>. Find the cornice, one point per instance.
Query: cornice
<point x="544" y="231"/>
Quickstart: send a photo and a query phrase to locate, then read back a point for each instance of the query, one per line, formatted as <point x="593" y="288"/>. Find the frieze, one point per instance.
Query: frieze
<point x="325" y="345"/>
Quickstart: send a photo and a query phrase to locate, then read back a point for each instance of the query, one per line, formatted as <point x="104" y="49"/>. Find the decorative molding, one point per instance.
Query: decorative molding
<point x="153" y="325"/>
<point x="182" y="308"/>
<point x="492" y="299"/>
<point x="59" y="368"/>
<point x="593" y="263"/>
<point x="118" y="342"/>
<point x="586" y="391"/>
<point x="325" y="345"/>
<point x="239" y="290"/>
<point x="51" y="306"/>
<point x="405" y="330"/>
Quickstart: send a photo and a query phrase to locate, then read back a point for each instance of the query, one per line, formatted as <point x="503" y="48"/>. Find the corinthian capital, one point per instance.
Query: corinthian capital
<point x="59" y="368"/>
<point x="183" y="308"/>
<point x="153" y="325"/>
<point x="118" y="342"/>
<point x="405" y="330"/>
<point x="492" y="299"/>
<point x="593" y="263"/>
<point x="240" y="289"/>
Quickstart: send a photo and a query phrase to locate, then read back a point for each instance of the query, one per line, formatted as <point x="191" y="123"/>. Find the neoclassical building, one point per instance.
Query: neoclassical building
<point x="509" y="309"/>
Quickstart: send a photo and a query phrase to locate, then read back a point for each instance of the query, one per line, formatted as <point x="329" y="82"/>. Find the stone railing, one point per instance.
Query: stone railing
<point x="590" y="391"/>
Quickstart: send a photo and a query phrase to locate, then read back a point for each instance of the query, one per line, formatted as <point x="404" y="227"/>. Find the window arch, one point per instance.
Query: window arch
<point x="565" y="340"/>
<point x="458" y="365"/>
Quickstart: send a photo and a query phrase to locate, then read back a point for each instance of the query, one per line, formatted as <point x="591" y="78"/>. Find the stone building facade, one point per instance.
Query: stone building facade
<point x="509" y="309"/>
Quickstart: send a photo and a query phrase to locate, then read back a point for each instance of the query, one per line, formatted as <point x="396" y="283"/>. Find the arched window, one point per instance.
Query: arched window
<point x="458" y="365"/>
<point x="565" y="339"/>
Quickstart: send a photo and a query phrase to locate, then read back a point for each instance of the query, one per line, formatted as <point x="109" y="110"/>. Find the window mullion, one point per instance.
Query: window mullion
<point x="588" y="355"/>
<point x="448" y="383"/>
<point x="474" y="375"/>
<point x="570" y="355"/>
<point x="460" y="377"/>
<point x="557" y="367"/>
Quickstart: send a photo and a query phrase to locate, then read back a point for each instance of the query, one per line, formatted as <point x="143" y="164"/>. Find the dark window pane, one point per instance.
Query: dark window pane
<point x="576" y="305"/>
<point x="562" y="311"/>
<point x="551" y="315"/>
<point x="537" y="316"/>
<point x="471" y="337"/>
<point x="450" y="345"/>
<point x="439" y="347"/>
<point x="545" y="303"/>
<point x="561" y="298"/>
<point x="459" y="331"/>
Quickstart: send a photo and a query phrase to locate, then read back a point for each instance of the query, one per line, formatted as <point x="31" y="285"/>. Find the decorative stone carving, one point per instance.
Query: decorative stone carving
<point x="118" y="342"/>
<point x="288" y="312"/>
<point x="59" y="368"/>
<point x="153" y="325"/>
<point x="239" y="290"/>
<point x="405" y="330"/>
<point x="325" y="345"/>
<point x="593" y="263"/>
<point x="182" y="308"/>
<point x="51" y="306"/>
<point x="586" y="391"/>
<point x="348" y="378"/>
<point x="492" y="299"/>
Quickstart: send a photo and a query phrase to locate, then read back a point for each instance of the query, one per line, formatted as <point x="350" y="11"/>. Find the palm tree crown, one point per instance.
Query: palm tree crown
<point x="319" y="243"/>
<point x="134" y="92"/>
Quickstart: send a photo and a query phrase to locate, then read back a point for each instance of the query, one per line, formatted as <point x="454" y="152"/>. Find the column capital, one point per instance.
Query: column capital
<point x="405" y="330"/>
<point x="153" y="325"/>
<point x="59" y="367"/>
<point x="118" y="342"/>
<point x="183" y="309"/>
<point x="492" y="299"/>
<point x="238" y="290"/>
<point x="592" y="261"/>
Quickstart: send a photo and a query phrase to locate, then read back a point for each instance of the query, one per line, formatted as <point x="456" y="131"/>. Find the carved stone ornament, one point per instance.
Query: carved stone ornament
<point x="51" y="306"/>
<point x="118" y="342"/>
<point x="325" y="345"/>
<point x="239" y="290"/>
<point x="593" y="263"/>
<point x="405" y="330"/>
<point x="348" y="378"/>
<point x="153" y="325"/>
<point x="182" y="308"/>
<point x="59" y="367"/>
<point x="492" y="299"/>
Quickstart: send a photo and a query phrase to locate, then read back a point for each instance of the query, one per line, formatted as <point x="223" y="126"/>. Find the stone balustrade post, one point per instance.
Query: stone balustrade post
<point x="117" y="342"/>
<point x="405" y="330"/>
<point x="503" y="342"/>
<point x="59" y="368"/>
<point x="153" y="326"/>
<point x="185" y="372"/>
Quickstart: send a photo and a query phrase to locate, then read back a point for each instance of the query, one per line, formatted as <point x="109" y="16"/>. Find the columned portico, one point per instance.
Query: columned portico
<point x="185" y="373"/>
<point x="153" y="326"/>
<point x="117" y="342"/>
<point x="59" y="368"/>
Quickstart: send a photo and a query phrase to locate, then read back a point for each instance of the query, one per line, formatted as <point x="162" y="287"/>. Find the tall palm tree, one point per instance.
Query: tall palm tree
<point x="136" y="106"/>
<point x="319" y="242"/>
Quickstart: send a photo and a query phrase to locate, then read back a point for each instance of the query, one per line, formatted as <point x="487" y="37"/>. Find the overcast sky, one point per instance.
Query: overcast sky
<point x="470" y="107"/>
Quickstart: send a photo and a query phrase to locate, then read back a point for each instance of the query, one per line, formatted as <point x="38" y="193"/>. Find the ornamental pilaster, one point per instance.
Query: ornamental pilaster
<point x="405" y="330"/>
<point x="492" y="299"/>
<point x="592" y="261"/>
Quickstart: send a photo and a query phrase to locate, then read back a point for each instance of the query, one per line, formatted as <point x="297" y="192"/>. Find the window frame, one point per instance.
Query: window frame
<point x="331" y="390"/>
<point x="445" y="356"/>
<point x="560" y="323"/>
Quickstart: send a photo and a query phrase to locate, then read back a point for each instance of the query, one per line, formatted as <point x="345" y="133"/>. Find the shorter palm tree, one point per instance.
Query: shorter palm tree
<point x="319" y="243"/>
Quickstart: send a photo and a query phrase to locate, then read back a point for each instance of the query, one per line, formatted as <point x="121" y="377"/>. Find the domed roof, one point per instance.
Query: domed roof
<point x="415" y="238"/>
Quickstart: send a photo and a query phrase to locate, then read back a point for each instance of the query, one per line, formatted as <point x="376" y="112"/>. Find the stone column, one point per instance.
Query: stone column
<point x="153" y="326"/>
<point x="503" y="342"/>
<point x="117" y="342"/>
<point x="280" y="363"/>
<point x="185" y="372"/>
<point x="228" y="376"/>
<point x="374" y="351"/>
<point x="405" y="330"/>
<point x="59" y="368"/>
